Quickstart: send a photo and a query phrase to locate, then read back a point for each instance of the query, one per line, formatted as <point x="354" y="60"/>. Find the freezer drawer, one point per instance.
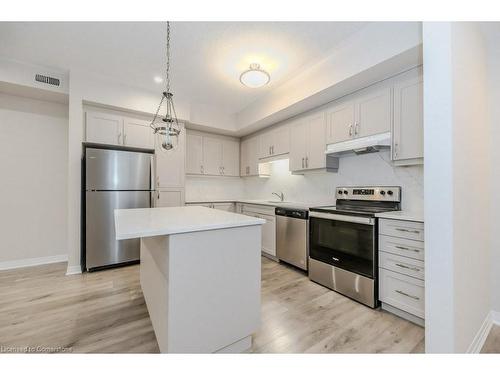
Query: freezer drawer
<point x="101" y="247"/>
<point x="118" y="170"/>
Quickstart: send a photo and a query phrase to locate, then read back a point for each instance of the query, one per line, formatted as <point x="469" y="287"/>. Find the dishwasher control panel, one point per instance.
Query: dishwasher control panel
<point x="292" y="212"/>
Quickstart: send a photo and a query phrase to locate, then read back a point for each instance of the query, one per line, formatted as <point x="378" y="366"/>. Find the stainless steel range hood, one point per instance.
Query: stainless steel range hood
<point x="364" y="145"/>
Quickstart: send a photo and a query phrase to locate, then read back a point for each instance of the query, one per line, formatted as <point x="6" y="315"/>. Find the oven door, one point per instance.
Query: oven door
<point x="347" y="242"/>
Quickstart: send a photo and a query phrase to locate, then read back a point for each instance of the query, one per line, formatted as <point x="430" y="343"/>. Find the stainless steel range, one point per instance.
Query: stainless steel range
<point x="343" y="246"/>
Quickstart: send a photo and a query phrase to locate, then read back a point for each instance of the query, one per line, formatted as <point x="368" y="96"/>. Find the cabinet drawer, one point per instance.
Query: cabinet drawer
<point x="406" y="266"/>
<point x="265" y="210"/>
<point x="401" y="246"/>
<point x="405" y="229"/>
<point x="403" y="292"/>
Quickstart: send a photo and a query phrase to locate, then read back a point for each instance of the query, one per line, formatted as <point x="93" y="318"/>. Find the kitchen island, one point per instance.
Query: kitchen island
<point x="200" y="275"/>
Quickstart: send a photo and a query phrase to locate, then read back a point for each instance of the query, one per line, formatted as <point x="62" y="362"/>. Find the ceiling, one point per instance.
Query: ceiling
<point x="207" y="57"/>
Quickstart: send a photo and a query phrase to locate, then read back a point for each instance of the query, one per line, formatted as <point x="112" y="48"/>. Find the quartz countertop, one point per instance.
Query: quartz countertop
<point x="402" y="215"/>
<point x="148" y="222"/>
<point x="264" y="202"/>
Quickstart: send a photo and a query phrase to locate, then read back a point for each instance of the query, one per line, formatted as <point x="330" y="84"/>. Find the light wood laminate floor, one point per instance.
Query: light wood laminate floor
<point x="104" y="312"/>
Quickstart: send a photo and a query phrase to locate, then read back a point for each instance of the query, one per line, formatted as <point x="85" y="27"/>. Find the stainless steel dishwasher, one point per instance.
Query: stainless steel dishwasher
<point x="292" y="236"/>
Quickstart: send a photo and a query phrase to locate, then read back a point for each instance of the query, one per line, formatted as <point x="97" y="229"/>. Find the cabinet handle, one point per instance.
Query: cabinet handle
<point x="407" y="267"/>
<point x="302" y="162"/>
<point x="157" y="180"/>
<point x="158" y="196"/>
<point x="124" y="139"/>
<point x="396" y="146"/>
<point x="407" y="249"/>
<point x="350" y="130"/>
<point x="407" y="295"/>
<point x="272" y="150"/>
<point x="201" y="169"/>
<point x="408" y="230"/>
<point x="307" y="162"/>
<point x="356" y="128"/>
<point x="223" y="170"/>
<point x="119" y="137"/>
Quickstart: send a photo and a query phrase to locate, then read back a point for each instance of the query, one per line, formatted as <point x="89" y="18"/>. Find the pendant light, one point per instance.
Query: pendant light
<point x="166" y="132"/>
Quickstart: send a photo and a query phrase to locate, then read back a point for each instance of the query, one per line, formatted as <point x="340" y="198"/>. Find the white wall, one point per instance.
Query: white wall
<point x="214" y="188"/>
<point x="492" y="33"/>
<point x="33" y="166"/>
<point x="319" y="187"/>
<point x="457" y="185"/>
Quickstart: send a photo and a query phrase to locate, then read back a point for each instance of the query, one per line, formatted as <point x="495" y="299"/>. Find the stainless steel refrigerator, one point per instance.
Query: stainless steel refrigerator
<point x="114" y="178"/>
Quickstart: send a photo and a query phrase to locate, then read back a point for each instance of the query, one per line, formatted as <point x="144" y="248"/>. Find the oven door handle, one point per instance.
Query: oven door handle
<point x="347" y="218"/>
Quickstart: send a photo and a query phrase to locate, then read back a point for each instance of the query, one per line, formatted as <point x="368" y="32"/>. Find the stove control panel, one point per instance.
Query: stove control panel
<point x="370" y="193"/>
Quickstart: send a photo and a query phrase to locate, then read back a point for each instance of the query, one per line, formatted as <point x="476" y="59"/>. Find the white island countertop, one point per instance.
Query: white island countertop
<point x="149" y="222"/>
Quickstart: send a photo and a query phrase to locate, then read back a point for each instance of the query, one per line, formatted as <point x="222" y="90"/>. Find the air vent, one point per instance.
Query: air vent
<point x="48" y="80"/>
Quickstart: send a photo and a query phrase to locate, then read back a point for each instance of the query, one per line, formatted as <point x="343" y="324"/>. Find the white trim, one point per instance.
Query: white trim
<point x="495" y="317"/>
<point x="73" y="270"/>
<point x="481" y="335"/>
<point x="29" y="262"/>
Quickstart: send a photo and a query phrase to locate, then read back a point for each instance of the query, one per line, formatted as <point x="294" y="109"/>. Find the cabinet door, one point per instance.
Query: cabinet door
<point x="316" y="146"/>
<point x="269" y="234"/>
<point x="408" y="134"/>
<point x="137" y="133"/>
<point x="340" y="123"/>
<point x="373" y="113"/>
<point x="194" y="154"/>
<point x="244" y="157"/>
<point x="212" y="156"/>
<point x="281" y="141"/>
<point x="265" y="144"/>
<point x="298" y="145"/>
<point x="169" y="198"/>
<point x="103" y="128"/>
<point x="170" y="165"/>
<point x="253" y="156"/>
<point x="230" y="157"/>
<point x="224" y="207"/>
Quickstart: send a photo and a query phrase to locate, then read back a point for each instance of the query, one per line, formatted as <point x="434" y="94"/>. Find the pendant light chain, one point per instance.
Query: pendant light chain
<point x="171" y="129"/>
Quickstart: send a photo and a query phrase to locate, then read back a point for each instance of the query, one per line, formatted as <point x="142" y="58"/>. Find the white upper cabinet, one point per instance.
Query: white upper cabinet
<point x="230" y="157"/>
<point x="137" y="133"/>
<point x="170" y="165"/>
<point x="209" y="154"/>
<point x="373" y="113"/>
<point x="361" y="114"/>
<point x="340" y="120"/>
<point x="212" y="156"/>
<point x="104" y="128"/>
<point x="194" y="154"/>
<point x="298" y="145"/>
<point x="408" y="132"/>
<point x="112" y="129"/>
<point x="316" y="157"/>
<point x="275" y="142"/>
<point x="250" y="158"/>
<point x="308" y="144"/>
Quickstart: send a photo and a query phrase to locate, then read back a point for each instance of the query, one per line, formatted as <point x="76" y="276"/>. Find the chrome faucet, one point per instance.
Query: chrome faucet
<point x="280" y="195"/>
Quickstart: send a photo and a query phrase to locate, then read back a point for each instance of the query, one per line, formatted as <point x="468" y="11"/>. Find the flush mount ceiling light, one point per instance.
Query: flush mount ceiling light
<point x="166" y="133"/>
<point x="158" y="79"/>
<point x="255" y="77"/>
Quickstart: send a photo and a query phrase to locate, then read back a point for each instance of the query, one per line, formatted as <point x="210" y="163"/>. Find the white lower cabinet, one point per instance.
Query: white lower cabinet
<point x="402" y="268"/>
<point x="223" y="206"/>
<point x="169" y="197"/>
<point x="268" y="229"/>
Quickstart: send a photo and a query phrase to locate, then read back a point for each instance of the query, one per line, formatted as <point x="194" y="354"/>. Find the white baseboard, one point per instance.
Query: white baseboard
<point x="73" y="270"/>
<point x="12" y="264"/>
<point x="482" y="334"/>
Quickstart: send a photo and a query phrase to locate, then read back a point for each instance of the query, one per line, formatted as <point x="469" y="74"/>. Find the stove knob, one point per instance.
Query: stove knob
<point x="346" y="192"/>
<point x="382" y="192"/>
<point x="341" y="192"/>
<point x="389" y="192"/>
